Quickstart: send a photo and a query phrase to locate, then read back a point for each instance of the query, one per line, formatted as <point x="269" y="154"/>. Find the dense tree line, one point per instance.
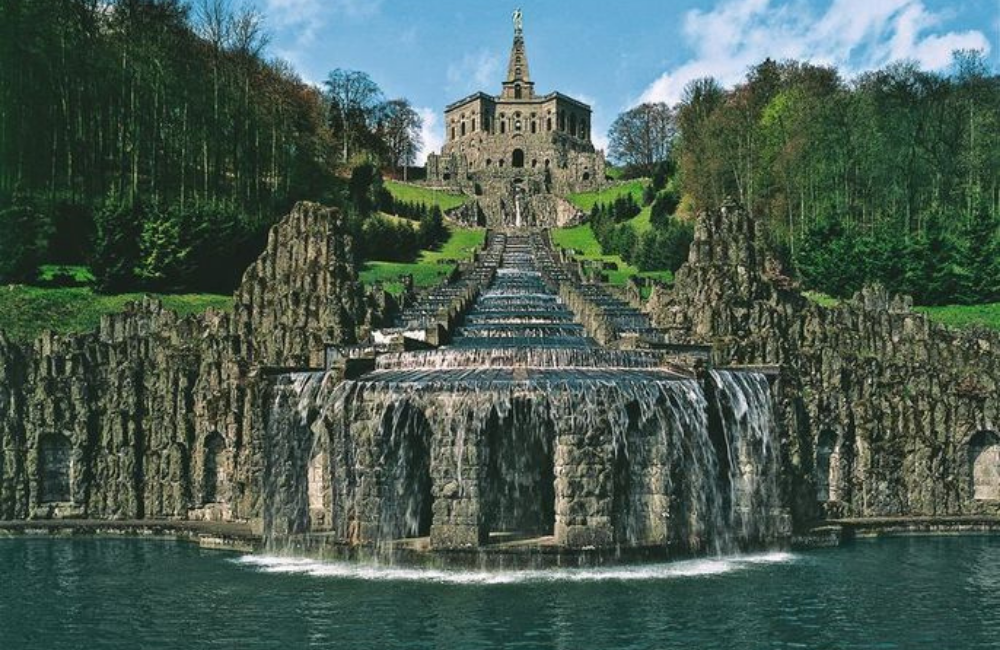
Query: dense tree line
<point x="155" y="142"/>
<point x="894" y="176"/>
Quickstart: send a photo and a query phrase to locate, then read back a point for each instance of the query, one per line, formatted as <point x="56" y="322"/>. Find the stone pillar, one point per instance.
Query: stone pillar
<point x="456" y="470"/>
<point x="583" y="476"/>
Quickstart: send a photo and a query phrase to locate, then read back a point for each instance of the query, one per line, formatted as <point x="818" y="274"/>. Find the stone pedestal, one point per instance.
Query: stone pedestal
<point x="458" y="536"/>
<point x="589" y="536"/>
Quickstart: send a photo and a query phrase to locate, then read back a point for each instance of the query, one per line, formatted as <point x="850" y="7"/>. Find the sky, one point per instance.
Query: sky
<point x="612" y="54"/>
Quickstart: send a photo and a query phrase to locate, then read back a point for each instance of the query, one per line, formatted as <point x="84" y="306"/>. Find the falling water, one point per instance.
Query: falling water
<point x="523" y="426"/>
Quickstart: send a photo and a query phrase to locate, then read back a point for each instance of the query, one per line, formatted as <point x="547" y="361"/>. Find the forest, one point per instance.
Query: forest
<point x="892" y="176"/>
<point x="155" y="142"/>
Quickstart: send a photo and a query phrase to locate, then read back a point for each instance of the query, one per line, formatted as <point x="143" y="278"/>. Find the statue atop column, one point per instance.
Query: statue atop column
<point x="518" y="22"/>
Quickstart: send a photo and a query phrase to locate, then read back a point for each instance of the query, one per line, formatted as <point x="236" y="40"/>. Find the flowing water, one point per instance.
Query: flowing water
<point x="520" y="396"/>
<point x="910" y="594"/>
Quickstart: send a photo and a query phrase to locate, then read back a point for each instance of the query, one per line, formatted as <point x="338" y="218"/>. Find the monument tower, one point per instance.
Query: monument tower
<point x="518" y="152"/>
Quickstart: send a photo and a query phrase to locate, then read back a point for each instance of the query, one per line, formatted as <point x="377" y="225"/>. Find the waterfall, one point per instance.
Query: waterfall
<point x="749" y="451"/>
<point x="523" y="427"/>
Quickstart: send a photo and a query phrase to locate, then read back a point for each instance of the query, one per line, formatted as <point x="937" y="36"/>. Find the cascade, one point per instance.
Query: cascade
<point x="522" y="427"/>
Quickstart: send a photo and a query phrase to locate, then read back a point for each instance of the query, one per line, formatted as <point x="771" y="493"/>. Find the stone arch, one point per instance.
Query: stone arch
<point x="827" y="467"/>
<point x="55" y="468"/>
<point x="984" y="460"/>
<point x="406" y="500"/>
<point x="214" y="468"/>
<point x="517" y="489"/>
<point x="517" y="158"/>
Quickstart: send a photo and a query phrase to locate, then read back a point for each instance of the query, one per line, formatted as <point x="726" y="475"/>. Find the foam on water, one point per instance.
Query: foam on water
<point x="387" y="573"/>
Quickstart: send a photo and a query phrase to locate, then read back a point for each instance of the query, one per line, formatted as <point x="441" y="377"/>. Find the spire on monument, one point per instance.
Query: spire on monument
<point x="518" y="84"/>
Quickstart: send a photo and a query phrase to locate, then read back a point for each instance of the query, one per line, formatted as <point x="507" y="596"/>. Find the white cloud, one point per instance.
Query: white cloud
<point x="852" y="34"/>
<point x="475" y="71"/>
<point x="304" y="19"/>
<point x="431" y="133"/>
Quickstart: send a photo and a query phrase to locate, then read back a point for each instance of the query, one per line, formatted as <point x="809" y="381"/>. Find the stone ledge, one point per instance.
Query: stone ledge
<point x="210" y="534"/>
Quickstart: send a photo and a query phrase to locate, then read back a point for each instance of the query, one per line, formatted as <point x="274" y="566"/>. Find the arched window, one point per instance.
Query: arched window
<point x="473" y="124"/>
<point x="546" y="163"/>
<point x="586" y="176"/>
<point x="489" y="161"/>
<point x="452" y="133"/>
<point x="214" y="468"/>
<point x="534" y="126"/>
<point x="517" y="158"/>
<point x="827" y="467"/>
<point x="534" y="163"/>
<point x="503" y="126"/>
<point x="984" y="454"/>
<point x="548" y="124"/>
<point x="55" y="468"/>
<point x="463" y="129"/>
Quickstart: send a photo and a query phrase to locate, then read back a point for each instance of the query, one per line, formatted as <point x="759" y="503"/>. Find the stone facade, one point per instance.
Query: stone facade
<point x="885" y="413"/>
<point x="512" y="149"/>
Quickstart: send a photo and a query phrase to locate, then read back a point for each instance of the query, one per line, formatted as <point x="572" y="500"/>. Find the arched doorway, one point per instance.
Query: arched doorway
<point x="214" y="468"/>
<point x="55" y="468"/>
<point x="984" y="456"/>
<point x="517" y="158"/>
<point x="406" y="500"/>
<point x="517" y="493"/>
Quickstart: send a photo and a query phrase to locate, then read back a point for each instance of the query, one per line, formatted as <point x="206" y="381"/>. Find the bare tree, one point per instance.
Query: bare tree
<point x="354" y="102"/>
<point x="643" y="136"/>
<point x="400" y="129"/>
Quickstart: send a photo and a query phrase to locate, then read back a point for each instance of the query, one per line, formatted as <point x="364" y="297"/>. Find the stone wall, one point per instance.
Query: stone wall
<point x="884" y="412"/>
<point x="159" y="416"/>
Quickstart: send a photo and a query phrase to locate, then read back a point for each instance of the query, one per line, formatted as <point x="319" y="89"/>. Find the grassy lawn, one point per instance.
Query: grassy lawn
<point x="582" y="240"/>
<point x="80" y="274"/>
<point x="431" y="267"/>
<point x="26" y="311"/>
<point x="821" y="299"/>
<point x="417" y="194"/>
<point x="586" y="200"/>
<point x="961" y="316"/>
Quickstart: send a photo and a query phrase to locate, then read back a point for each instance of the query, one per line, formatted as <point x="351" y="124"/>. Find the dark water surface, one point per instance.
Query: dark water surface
<point x="132" y="594"/>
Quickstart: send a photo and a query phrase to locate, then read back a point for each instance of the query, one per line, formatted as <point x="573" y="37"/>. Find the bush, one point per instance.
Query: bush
<point x="665" y="248"/>
<point x="22" y="241"/>
<point x="116" y="249"/>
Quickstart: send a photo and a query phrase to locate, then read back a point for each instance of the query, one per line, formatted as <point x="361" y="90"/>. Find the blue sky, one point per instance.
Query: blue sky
<point x="610" y="53"/>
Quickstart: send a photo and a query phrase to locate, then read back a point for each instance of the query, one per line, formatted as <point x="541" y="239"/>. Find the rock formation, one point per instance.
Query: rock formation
<point x="158" y="416"/>
<point x="884" y="412"/>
